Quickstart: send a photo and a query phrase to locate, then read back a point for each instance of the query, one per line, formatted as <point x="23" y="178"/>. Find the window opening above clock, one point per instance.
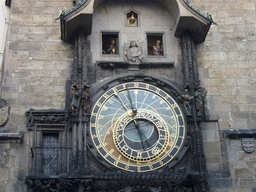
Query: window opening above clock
<point x="155" y="44"/>
<point x="132" y="19"/>
<point x="110" y="44"/>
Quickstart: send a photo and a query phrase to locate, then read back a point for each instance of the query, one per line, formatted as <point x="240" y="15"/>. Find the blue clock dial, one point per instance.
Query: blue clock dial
<point x="137" y="127"/>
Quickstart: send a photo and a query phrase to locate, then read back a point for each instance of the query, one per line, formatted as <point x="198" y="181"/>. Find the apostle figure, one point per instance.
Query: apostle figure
<point x="157" y="49"/>
<point x="112" y="47"/>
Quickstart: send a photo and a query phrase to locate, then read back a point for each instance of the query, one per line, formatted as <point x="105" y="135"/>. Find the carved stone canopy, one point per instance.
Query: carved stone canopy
<point x="186" y="18"/>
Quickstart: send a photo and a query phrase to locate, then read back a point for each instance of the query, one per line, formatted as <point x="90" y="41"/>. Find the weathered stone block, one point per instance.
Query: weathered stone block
<point x="247" y="183"/>
<point x="250" y="6"/>
<point x="234" y="21"/>
<point x="210" y="132"/>
<point x="217" y="73"/>
<point x="20" y="54"/>
<point x="211" y="147"/>
<point x="43" y="20"/>
<point x="3" y="174"/>
<point x="220" y="183"/>
<point x="252" y="124"/>
<point x="32" y="30"/>
<point x="213" y="159"/>
<point x="21" y="19"/>
<point x="222" y="82"/>
<point x="26" y="46"/>
<point x="223" y="125"/>
<point x="243" y="173"/>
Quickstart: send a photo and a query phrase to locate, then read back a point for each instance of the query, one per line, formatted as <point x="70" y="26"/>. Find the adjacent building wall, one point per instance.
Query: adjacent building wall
<point x="227" y="68"/>
<point x="4" y="21"/>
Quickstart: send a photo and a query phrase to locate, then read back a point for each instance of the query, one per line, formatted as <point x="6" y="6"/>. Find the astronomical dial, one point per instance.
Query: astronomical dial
<point x="137" y="127"/>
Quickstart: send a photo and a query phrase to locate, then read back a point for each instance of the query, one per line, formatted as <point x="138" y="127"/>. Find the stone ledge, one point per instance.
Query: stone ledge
<point x="240" y="133"/>
<point x="219" y="175"/>
<point x="11" y="136"/>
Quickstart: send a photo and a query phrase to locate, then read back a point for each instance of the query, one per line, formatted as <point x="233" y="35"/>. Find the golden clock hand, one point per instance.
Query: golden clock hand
<point x="129" y="112"/>
<point x="140" y="133"/>
<point x="134" y="110"/>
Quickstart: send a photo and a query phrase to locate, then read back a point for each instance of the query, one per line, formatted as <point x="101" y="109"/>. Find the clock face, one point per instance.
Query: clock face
<point x="137" y="127"/>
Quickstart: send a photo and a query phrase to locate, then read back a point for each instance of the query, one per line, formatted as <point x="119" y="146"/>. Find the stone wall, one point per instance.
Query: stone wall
<point x="37" y="64"/>
<point x="37" y="61"/>
<point x="227" y="71"/>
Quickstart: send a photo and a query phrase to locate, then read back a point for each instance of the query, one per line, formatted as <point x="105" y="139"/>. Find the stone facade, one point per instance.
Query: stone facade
<point x="227" y="72"/>
<point x="37" y="65"/>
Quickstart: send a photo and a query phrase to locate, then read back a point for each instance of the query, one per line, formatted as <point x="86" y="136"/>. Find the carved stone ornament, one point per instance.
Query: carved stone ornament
<point x="133" y="52"/>
<point x="248" y="144"/>
<point x="4" y="113"/>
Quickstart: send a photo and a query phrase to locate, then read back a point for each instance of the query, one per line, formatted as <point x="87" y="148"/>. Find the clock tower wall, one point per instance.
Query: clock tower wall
<point x="153" y="22"/>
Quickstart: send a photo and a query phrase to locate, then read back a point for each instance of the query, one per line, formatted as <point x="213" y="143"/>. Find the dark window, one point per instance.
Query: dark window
<point x="110" y="43"/>
<point x="155" y="44"/>
<point x="50" y="156"/>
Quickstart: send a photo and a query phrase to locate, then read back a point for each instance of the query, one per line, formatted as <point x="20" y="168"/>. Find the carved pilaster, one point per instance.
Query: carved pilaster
<point x="190" y="65"/>
<point x="80" y="100"/>
<point x="192" y="86"/>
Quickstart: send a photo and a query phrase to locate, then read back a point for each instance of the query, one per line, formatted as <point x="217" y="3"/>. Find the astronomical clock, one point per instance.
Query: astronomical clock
<point x="136" y="126"/>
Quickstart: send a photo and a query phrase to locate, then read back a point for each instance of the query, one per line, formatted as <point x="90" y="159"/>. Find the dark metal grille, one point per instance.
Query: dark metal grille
<point x="50" y="154"/>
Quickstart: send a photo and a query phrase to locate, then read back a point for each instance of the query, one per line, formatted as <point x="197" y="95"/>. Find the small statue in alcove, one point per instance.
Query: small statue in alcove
<point x="132" y="20"/>
<point x="188" y="102"/>
<point x="134" y="53"/>
<point x="112" y="47"/>
<point x="199" y="101"/>
<point x="75" y="100"/>
<point x="85" y="100"/>
<point x="157" y="49"/>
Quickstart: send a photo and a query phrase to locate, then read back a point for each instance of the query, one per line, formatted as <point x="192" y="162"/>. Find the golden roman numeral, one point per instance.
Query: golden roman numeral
<point x="166" y="97"/>
<point x="106" y="155"/>
<point x="106" y="96"/>
<point x="136" y="85"/>
<point x="116" y="162"/>
<point x="111" y="151"/>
